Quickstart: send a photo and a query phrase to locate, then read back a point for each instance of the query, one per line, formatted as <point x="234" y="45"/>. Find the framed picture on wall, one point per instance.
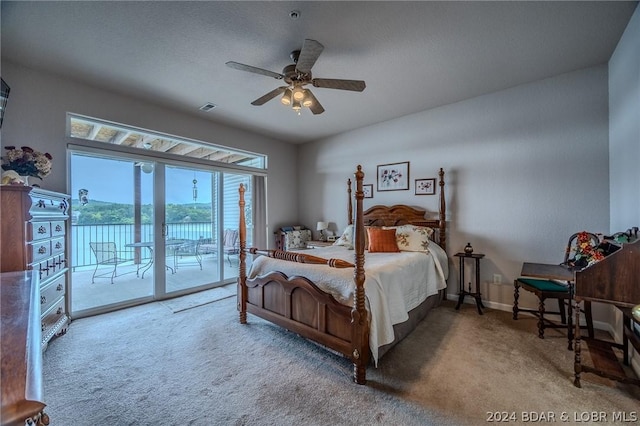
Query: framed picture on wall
<point x="368" y="190"/>
<point x="393" y="177"/>
<point x="425" y="186"/>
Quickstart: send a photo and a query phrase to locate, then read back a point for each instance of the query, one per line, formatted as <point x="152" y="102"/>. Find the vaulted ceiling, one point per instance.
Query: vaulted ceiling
<point x="413" y="56"/>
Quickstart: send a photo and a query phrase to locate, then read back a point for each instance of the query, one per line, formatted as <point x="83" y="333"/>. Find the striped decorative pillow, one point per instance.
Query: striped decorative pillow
<point x="382" y="240"/>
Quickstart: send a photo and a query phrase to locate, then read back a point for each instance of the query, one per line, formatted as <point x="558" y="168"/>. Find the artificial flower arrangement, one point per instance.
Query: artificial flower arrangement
<point x="586" y="253"/>
<point x="27" y="161"/>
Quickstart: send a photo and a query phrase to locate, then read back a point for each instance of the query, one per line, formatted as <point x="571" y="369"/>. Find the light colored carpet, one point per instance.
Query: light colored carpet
<point x="147" y="366"/>
<point x="205" y="297"/>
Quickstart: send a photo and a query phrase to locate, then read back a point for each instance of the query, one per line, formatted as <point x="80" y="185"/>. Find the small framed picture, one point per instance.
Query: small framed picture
<point x="425" y="186"/>
<point x="393" y="177"/>
<point x="368" y="190"/>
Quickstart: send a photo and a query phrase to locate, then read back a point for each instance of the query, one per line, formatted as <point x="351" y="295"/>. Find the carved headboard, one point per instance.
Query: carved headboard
<point x="401" y="214"/>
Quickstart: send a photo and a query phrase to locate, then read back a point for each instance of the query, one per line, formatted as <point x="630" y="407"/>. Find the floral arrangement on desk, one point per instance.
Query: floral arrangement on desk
<point x="26" y="161"/>
<point x="586" y="253"/>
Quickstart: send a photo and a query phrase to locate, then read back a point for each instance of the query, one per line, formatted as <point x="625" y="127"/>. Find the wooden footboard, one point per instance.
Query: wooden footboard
<point x="300" y="306"/>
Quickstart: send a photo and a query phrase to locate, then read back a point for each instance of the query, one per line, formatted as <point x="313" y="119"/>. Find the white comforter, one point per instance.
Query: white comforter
<point x="395" y="282"/>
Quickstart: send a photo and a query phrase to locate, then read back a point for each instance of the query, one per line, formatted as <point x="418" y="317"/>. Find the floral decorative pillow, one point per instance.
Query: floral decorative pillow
<point x="412" y="237"/>
<point x="297" y="239"/>
<point x="346" y="239"/>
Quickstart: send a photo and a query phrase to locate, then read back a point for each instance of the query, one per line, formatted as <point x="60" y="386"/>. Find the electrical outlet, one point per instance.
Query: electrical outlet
<point x="497" y="279"/>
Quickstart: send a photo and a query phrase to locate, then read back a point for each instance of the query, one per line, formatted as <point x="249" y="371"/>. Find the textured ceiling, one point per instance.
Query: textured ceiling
<point x="412" y="55"/>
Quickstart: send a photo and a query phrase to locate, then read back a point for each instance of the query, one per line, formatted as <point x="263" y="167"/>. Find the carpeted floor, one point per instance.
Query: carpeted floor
<point x="148" y="366"/>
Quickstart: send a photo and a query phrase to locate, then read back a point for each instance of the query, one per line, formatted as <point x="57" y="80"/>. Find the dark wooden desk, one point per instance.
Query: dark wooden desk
<point x="614" y="281"/>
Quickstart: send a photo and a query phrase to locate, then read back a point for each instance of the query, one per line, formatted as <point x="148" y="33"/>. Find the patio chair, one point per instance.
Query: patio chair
<point x="186" y="254"/>
<point x="106" y="255"/>
<point x="230" y="244"/>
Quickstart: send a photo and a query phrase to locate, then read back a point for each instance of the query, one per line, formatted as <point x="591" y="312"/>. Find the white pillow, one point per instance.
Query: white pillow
<point x="346" y="239"/>
<point x="412" y="237"/>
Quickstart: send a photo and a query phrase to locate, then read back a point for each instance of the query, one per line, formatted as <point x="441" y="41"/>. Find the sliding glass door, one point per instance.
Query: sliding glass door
<point x="170" y="229"/>
<point x="111" y="232"/>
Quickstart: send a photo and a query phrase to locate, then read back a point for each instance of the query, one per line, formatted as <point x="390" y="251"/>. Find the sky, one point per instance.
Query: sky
<point x="112" y="181"/>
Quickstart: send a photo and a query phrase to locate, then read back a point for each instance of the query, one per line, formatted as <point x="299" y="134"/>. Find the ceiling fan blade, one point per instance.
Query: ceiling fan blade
<point x="309" y="54"/>
<point x="266" y="98"/>
<point x="315" y="107"/>
<point x="255" y="70"/>
<point x="331" y="83"/>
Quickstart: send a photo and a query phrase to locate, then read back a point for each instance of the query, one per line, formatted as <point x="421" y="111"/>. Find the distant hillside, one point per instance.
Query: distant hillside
<point x="102" y="212"/>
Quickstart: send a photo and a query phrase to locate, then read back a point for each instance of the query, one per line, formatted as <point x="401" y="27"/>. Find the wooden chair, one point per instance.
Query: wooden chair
<point x="550" y="289"/>
<point x="106" y="255"/>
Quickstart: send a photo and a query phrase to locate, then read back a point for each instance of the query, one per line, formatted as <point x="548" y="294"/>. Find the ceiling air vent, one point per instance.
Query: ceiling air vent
<point x="207" y="107"/>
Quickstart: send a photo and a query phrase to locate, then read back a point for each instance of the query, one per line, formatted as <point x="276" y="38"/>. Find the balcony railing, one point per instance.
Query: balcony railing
<point x="123" y="234"/>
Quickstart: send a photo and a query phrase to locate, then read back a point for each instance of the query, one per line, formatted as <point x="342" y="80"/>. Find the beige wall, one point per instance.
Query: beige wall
<point x="525" y="168"/>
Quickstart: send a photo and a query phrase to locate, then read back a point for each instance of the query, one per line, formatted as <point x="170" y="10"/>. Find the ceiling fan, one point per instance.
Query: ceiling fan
<point x="297" y="76"/>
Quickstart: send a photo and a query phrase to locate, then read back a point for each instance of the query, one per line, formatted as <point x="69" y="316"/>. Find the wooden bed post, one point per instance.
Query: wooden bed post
<point x="242" y="273"/>
<point x="349" y="203"/>
<point x="442" y="215"/>
<point x="359" y="314"/>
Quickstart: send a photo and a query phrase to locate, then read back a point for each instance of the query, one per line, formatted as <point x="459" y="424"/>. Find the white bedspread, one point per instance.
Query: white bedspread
<point x="395" y="282"/>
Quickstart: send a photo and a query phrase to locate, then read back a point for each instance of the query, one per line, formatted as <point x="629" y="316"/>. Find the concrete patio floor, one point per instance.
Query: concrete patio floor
<point x="128" y="287"/>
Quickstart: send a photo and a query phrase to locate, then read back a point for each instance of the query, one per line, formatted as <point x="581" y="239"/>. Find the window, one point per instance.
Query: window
<point x="119" y="134"/>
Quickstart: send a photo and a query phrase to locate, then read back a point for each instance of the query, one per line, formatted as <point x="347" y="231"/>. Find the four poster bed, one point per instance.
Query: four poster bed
<point x="322" y="298"/>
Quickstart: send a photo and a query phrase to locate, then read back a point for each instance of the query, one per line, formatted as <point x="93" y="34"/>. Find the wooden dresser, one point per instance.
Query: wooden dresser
<point x="33" y="227"/>
<point x="21" y="354"/>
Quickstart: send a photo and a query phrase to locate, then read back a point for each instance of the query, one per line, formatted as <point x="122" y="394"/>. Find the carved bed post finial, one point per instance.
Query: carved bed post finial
<point x="359" y="313"/>
<point x="242" y="273"/>
<point x="442" y="216"/>
<point x="349" y="202"/>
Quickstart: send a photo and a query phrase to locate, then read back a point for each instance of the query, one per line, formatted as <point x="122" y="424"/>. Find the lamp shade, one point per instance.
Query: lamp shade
<point x="322" y="226"/>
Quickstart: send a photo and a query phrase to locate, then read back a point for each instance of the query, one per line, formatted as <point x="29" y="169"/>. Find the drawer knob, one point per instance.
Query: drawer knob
<point x="59" y="311"/>
<point x="58" y="245"/>
<point x="42" y="250"/>
<point x="60" y="287"/>
<point x="58" y="228"/>
<point x="43" y="326"/>
<point x="42" y="230"/>
<point x="43" y="300"/>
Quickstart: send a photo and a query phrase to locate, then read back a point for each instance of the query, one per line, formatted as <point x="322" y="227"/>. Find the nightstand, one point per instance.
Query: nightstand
<point x="475" y="294"/>
<point x="318" y="244"/>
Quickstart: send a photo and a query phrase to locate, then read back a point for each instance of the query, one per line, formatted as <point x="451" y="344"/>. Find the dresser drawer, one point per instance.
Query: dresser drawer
<point x="58" y="229"/>
<point x="57" y="246"/>
<point x="53" y="320"/>
<point x="49" y="267"/>
<point x="39" y="230"/>
<point x="47" y="205"/>
<point x="52" y="292"/>
<point x="40" y="250"/>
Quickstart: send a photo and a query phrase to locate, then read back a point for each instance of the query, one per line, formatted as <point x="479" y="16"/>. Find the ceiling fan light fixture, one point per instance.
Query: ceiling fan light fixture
<point x="286" y="98"/>
<point x="298" y="93"/>
<point x="296" y="106"/>
<point x="307" y="101"/>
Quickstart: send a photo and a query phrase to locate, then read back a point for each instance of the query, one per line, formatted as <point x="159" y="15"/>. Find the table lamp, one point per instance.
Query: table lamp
<point x="321" y="227"/>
